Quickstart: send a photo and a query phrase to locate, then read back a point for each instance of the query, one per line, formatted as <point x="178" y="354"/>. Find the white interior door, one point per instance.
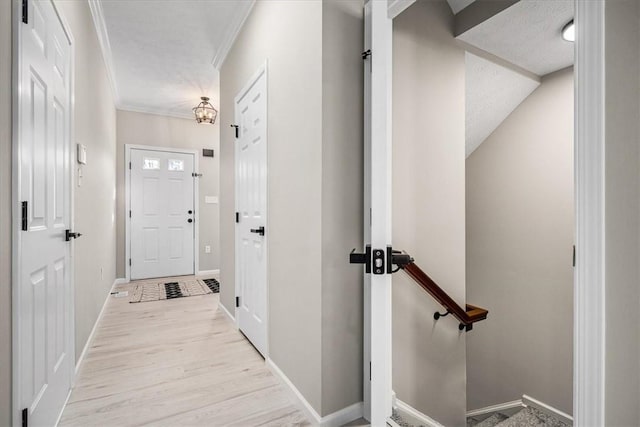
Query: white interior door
<point x="162" y="212"/>
<point x="44" y="330"/>
<point x="377" y="206"/>
<point x="251" y="205"/>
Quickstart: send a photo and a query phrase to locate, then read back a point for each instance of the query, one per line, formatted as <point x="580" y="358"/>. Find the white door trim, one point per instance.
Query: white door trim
<point x="127" y="203"/>
<point x="589" y="278"/>
<point x="16" y="108"/>
<point x="262" y="69"/>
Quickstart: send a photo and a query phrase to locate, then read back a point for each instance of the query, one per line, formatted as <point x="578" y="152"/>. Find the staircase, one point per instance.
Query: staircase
<point x="526" y="417"/>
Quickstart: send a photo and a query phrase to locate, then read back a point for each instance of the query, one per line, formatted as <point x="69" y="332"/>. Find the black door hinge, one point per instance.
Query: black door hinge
<point x="25" y="11"/>
<point x="237" y="217"/>
<point x="129" y="213"/>
<point x="237" y="301"/>
<point x="366" y="54"/>
<point x="574" y="255"/>
<point x="237" y="132"/>
<point x="25" y="214"/>
<point x="369" y="371"/>
<point x="129" y="165"/>
<point x="25" y="417"/>
<point x="129" y="262"/>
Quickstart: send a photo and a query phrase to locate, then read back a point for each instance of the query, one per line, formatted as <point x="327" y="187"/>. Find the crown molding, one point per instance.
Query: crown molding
<point x="154" y="111"/>
<point x="232" y="34"/>
<point x="103" y="38"/>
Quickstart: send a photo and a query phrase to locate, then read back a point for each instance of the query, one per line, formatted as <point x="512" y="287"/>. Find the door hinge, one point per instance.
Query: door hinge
<point x="237" y="217"/>
<point x="237" y="131"/>
<point x="366" y="54"/>
<point x="129" y="165"/>
<point x="237" y="301"/>
<point x="129" y="262"/>
<point x="25" y="11"/>
<point x="369" y="371"/>
<point x="129" y="213"/>
<point x="574" y="255"/>
<point x="25" y="214"/>
<point x="25" y="417"/>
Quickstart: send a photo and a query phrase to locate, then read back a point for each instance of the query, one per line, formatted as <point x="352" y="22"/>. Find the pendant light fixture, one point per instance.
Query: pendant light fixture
<point x="204" y="112"/>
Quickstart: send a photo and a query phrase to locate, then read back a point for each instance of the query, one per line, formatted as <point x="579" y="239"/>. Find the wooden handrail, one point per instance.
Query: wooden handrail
<point x="466" y="317"/>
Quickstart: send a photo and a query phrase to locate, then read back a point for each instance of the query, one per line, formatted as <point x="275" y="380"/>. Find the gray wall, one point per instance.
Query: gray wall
<point x="429" y="208"/>
<point x="162" y="131"/>
<point x="95" y="127"/>
<point x="342" y="193"/>
<point x="520" y="228"/>
<point x="288" y="35"/>
<point x="622" y="202"/>
<point x="314" y="188"/>
<point x="5" y="213"/>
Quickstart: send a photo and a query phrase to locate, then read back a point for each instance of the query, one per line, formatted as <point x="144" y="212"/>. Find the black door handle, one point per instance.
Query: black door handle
<point x="259" y="230"/>
<point x="190" y="212"/>
<point x="189" y="220"/>
<point x="68" y="235"/>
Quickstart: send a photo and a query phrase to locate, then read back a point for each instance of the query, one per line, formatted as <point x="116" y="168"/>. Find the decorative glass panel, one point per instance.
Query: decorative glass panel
<point x="150" y="163"/>
<point x="176" y="165"/>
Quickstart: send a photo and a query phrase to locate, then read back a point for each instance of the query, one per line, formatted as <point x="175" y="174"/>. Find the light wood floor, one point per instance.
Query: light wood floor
<point x="177" y="362"/>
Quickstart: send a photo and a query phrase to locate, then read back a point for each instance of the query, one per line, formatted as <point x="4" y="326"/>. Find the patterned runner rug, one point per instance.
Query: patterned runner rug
<point x="156" y="291"/>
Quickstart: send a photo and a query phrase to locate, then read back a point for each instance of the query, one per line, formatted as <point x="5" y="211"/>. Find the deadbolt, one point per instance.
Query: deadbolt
<point x="189" y="220"/>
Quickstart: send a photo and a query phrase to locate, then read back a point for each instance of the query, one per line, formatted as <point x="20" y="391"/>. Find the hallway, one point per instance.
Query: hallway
<point x="174" y="362"/>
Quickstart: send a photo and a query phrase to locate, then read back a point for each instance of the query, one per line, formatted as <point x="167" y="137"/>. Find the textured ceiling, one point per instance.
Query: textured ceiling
<point x="162" y="53"/>
<point x="492" y="93"/>
<point x="527" y="34"/>
<point x="458" y="5"/>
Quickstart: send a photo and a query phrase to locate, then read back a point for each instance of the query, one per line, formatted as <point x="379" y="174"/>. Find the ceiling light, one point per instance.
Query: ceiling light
<point x="204" y="112"/>
<point x="569" y="32"/>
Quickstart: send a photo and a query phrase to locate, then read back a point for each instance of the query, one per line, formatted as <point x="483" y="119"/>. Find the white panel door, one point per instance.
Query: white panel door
<point x="44" y="301"/>
<point x="251" y="205"/>
<point x="162" y="214"/>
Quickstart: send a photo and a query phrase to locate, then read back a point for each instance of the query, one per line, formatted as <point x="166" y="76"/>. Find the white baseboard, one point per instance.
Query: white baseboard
<point x="514" y="404"/>
<point x="95" y="325"/>
<point x="208" y="272"/>
<point x="547" y="409"/>
<point x="336" y="419"/>
<point x="62" y="410"/>
<point x="121" y="281"/>
<point x="225" y="311"/>
<point x="408" y="411"/>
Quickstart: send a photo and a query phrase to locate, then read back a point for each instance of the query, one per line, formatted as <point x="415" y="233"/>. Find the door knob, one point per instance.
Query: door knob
<point x="190" y="212"/>
<point x="189" y="220"/>
<point x="259" y="230"/>
<point x="68" y="235"/>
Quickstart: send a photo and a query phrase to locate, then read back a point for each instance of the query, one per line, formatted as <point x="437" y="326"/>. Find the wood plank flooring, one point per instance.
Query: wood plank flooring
<point x="178" y="362"/>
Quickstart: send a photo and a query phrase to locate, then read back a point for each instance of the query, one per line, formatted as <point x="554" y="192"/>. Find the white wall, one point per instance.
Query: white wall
<point x="314" y="188"/>
<point x="5" y="213"/>
<point x="429" y="208"/>
<point x="520" y="235"/>
<point x="622" y="213"/>
<point x="288" y="35"/>
<point x="95" y="127"/>
<point x="162" y="131"/>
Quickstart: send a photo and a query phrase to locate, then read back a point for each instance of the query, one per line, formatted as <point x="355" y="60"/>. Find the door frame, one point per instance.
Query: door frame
<point x="16" y="238"/>
<point x="127" y="202"/>
<point x="589" y="143"/>
<point x="263" y="69"/>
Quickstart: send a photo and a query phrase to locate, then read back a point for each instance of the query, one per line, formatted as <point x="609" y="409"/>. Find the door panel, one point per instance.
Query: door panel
<point x="162" y="229"/>
<point x="44" y="324"/>
<point x="251" y="204"/>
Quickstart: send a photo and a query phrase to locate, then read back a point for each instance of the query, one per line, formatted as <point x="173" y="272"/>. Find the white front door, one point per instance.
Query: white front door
<point x="162" y="213"/>
<point x="251" y="205"/>
<point x="44" y="329"/>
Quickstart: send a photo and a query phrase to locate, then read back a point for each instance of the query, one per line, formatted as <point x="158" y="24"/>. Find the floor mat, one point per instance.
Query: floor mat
<point x="157" y="291"/>
<point x="213" y="284"/>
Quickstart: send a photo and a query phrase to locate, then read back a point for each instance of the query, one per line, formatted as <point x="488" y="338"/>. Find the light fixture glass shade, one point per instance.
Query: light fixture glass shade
<point x="204" y="112"/>
<point x="569" y="32"/>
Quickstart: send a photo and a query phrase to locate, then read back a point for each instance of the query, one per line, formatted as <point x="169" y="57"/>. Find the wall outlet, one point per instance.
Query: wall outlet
<point x="207" y="249"/>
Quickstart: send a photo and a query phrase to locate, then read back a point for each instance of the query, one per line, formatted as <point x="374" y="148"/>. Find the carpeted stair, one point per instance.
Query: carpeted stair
<point x="527" y="417"/>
